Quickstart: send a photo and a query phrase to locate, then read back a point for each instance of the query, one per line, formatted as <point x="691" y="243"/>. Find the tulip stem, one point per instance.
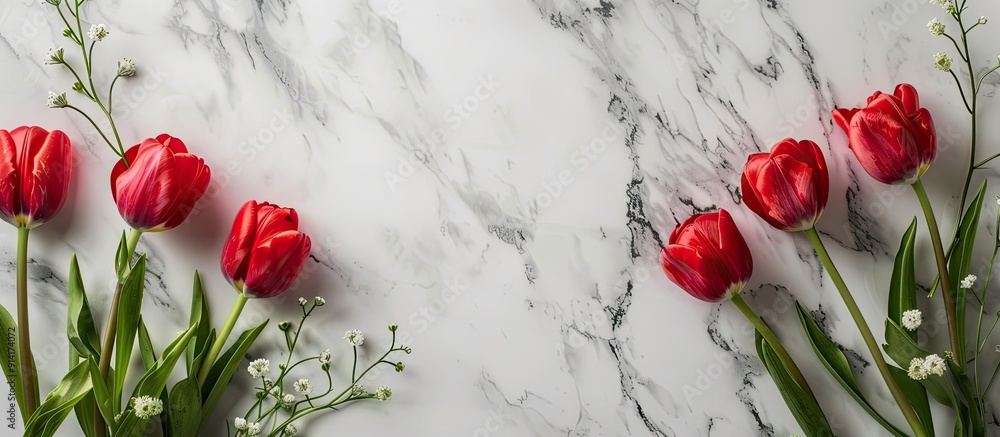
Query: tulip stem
<point x="24" y="331"/>
<point x="769" y="336"/>
<point x="942" y="264"/>
<point x="111" y="328"/>
<point x="866" y="333"/>
<point x="220" y="341"/>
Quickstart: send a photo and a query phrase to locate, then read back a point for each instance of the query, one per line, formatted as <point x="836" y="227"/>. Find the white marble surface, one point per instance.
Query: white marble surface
<point x="498" y="176"/>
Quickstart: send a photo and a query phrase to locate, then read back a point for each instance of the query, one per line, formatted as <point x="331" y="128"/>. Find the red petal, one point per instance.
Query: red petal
<point x="174" y="144"/>
<point x="843" y="117"/>
<point x="749" y="182"/>
<point x="148" y="188"/>
<point x="692" y="272"/>
<point x="193" y="177"/>
<point x="734" y="247"/>
<point x="9" y="195"/>
<point x="276" y="263"/>
<point x="907" y="95"/>
<point x="120" y="168"/>
<point x="885" y="149"/>
<point x="236" y="251"/>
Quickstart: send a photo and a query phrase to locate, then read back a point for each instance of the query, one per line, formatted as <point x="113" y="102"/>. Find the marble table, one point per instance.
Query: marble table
<point x="498" y="177"/>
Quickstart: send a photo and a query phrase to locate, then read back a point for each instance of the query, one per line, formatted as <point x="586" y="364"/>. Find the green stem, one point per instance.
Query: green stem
<point x="111" y="327"/>
<point x="24" y="329"/>
<point x="768" y="335"/>
<point x="220" y="341"/>
<point x="866" y="334"/>
<point x="942" y="263"/>
<point x="99" y="131"/>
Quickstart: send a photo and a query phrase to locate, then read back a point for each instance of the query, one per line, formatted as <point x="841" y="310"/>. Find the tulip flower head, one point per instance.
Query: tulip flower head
<point x="892" y="137"/>
<point x="35" y="169"/>
<point x="265" y="250"/>
<point x="159" y="187"/>
<point x="787" y="187"/>
<point x="708" y="257"/>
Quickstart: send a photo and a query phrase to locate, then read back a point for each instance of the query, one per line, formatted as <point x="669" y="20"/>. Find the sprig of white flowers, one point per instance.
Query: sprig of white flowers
<point x="306" y="399"/>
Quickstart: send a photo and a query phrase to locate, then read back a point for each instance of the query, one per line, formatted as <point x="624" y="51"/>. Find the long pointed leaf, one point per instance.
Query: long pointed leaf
<point x="917" y="395"/>
<point x="154" y="381"/>
<point x="129" y="309"/>
<point x="59" y="402"/>
<point x="903" y="285"/>
<point x="223" y="370"/>
<point x="806" y="411"/>
<point x="836" y="363"/>
<point x="200" y="315"/>
<point x="961" y="257"/>
<point x="80" y="327"/>
<point x="902" y="350"/>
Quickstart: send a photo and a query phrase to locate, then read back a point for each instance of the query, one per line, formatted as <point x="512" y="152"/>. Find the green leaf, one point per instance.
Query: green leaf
<point x="129" y="309"/>
<point x="185" y="410"/>
<point x="149" y="362"/>
<point x="917" y="396"/>
<point x="901" y="348"/>
<point x="836" y="363"/>
<point x="146" y="346"/>
<point x="223" y="370"/>
<point x="86" y="407"/>
<point x="101" y="395"/>
<point x="961" y="257"/>
<point x="154" y="381"/>
<point x="9" y="349"/>
<point x="903" y="285"/>
<point x="804" y="408"/>
<point x="121" y="256"/>
<point x="80" y="327"/>
<point x="971" y="397"/>
<point x="59" y="402"/>
<point x="200" y="315"/>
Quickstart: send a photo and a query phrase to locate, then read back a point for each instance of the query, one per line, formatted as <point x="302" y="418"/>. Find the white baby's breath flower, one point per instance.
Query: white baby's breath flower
<point x="325" y="357"/>
<point x="916" y="370"/>
<point x="354" y="337"/>
<point x="291" y="430"/>
<point x="253" y="429"/>
<point x="941" y="3"/>
<point x="933" y="365"/>
<point x="358" y="389"/>
<point x="981" y="20"/>
<point x="275" y="391"/>
<point x="56" y="100"/>
<point x="97" y="32"/>
<point x="259" y="367"/>
<point x="968" y="282"/>
<point x="383" y="393"/>
<point x="912" y="319"/>
<point x="319" y="301"/>
<point x="240" y="423"/>
<point x="942" y="61"/>
<point x="303" y="387"/>
<point x="147" y="406"/>
<point x="303" y="301"/>
<point x="288" y="400"/>
<point x="126" y="68"/>
<point x="936" y="27"/>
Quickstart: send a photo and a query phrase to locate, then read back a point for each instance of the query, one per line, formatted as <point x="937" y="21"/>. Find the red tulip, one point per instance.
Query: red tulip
<point x="788" y="187"/>
<point x="893" y="137"/>
<point x="161" y="184"/>
<point x="265" y="250"/>
<point x="708" y="257"/>
<point x="35" y="168"/>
